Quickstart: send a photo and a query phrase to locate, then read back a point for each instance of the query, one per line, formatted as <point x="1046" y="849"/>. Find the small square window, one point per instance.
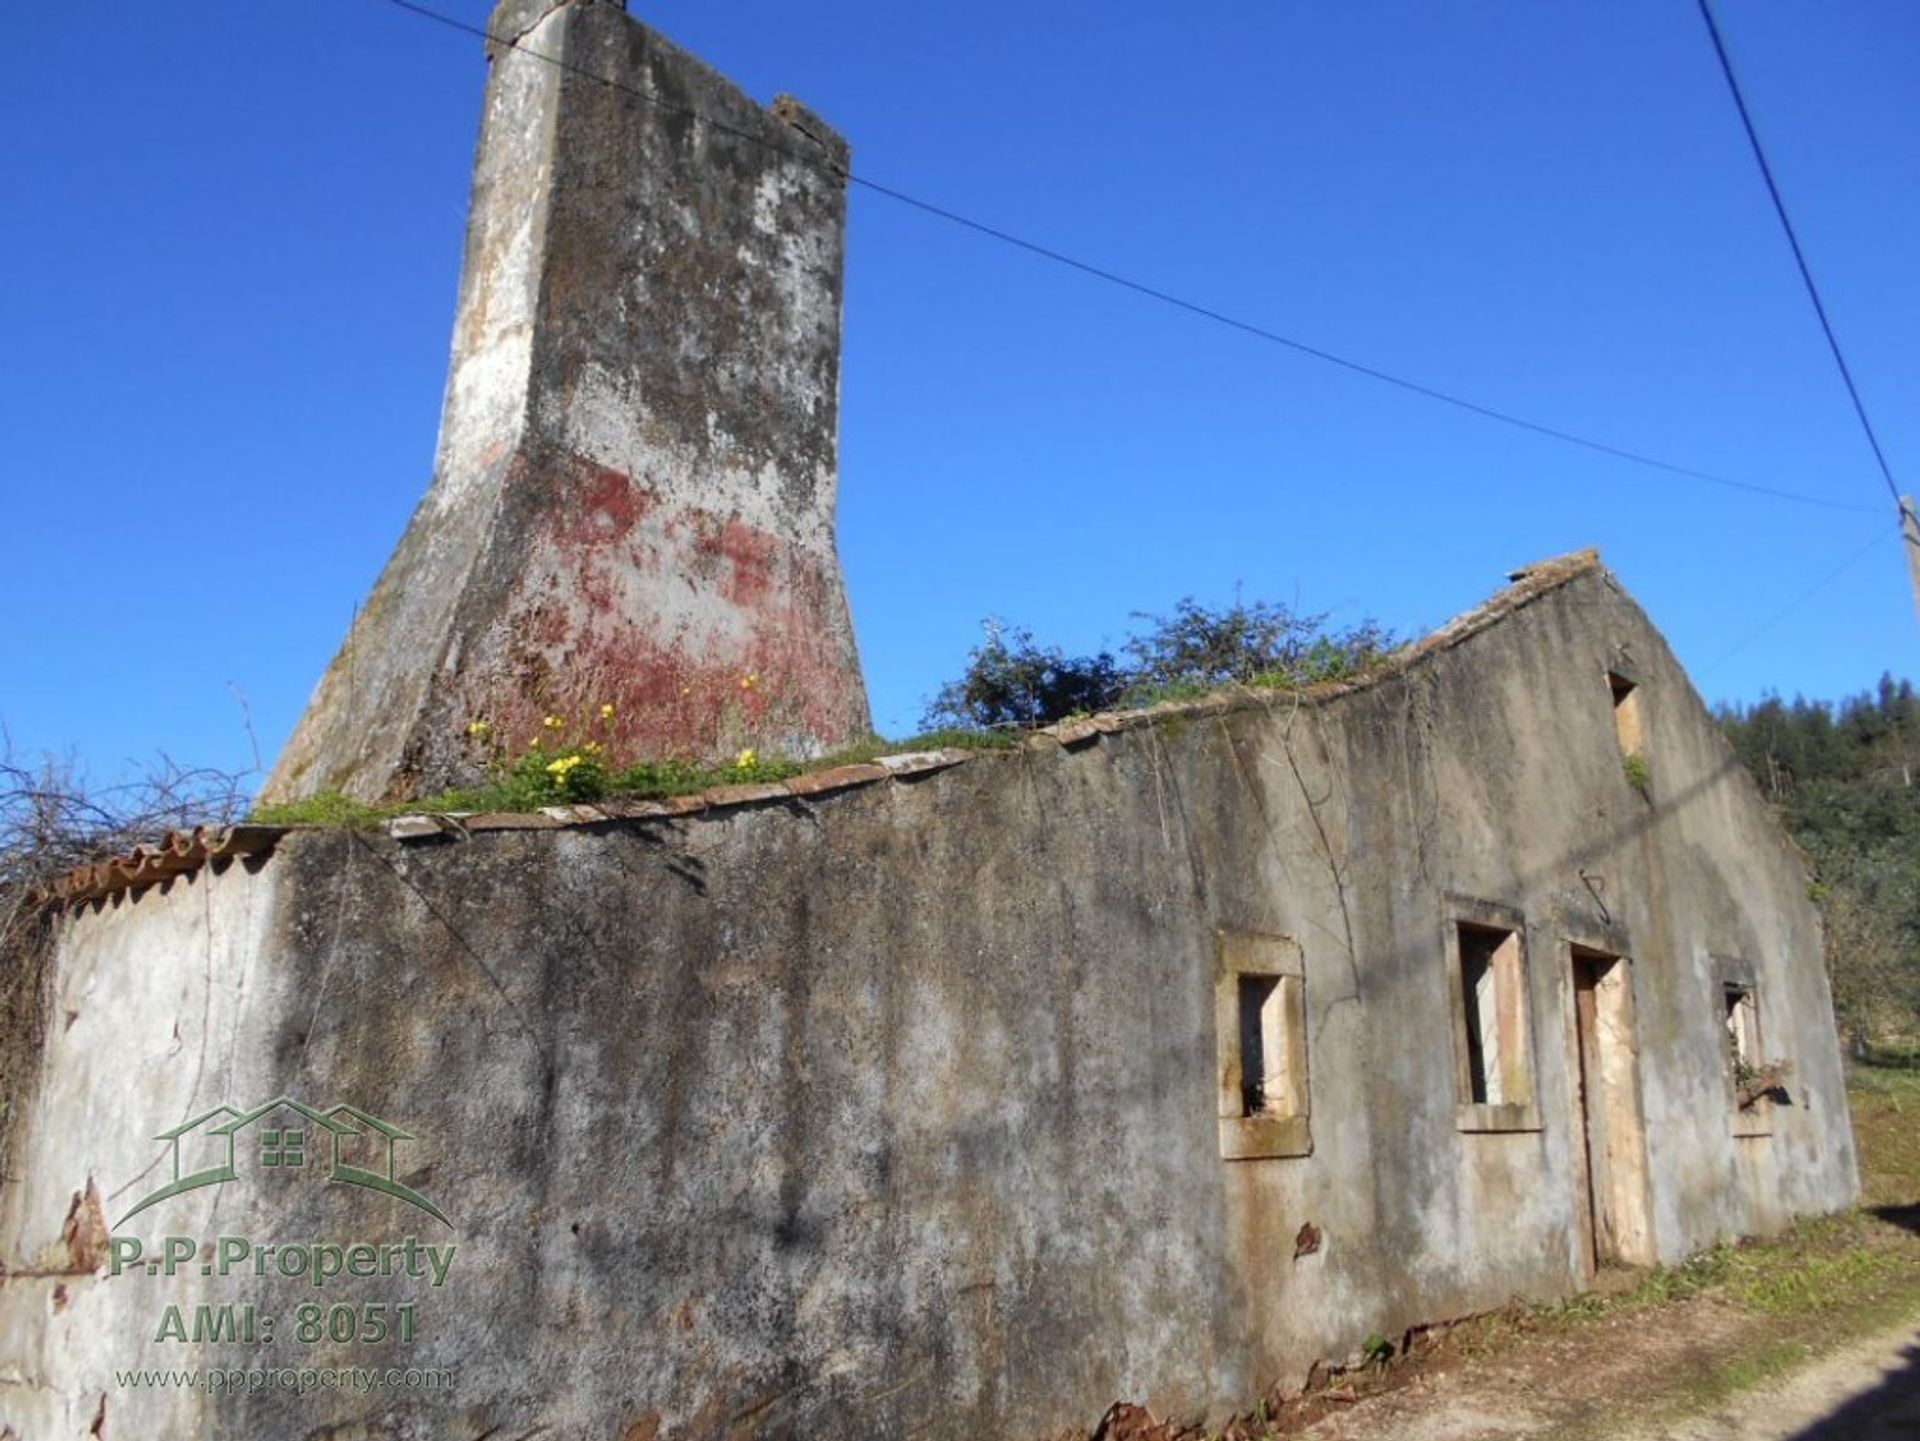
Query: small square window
<point x="1746" y="1062"/>
<point x="1493" y="1051"/>
<point x="1743" y="1027"/>
<point x="1627" y="727"/>
<point x="1273" y="1062"/>
<point x="1260" y="1016"/>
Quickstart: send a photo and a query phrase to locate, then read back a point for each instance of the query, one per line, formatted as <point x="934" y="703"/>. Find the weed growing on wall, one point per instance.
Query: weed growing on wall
<point x="1639" y="773"/>
<point x="529" y="780"/>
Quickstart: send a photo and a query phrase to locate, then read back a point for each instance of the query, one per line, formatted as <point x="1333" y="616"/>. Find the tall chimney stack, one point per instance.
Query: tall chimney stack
<point x="633" y="498"/>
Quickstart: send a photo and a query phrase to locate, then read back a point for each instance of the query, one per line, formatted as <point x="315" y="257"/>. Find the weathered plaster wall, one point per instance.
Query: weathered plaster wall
<point x="634" y="495"/>
<point x="893" y="1113"/>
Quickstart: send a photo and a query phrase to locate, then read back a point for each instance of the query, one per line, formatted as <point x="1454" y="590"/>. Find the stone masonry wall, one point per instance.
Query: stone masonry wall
<point x="892" y="1112"/>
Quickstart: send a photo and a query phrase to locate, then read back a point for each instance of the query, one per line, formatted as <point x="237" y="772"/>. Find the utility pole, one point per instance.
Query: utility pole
<point x="1910" y="542"/>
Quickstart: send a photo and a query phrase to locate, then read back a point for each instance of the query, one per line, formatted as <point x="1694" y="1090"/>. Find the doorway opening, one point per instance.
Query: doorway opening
<point x="1615" y="1225"/>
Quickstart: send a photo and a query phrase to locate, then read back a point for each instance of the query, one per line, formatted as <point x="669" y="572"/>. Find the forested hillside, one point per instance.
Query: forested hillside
<point x="1846" y="778"/>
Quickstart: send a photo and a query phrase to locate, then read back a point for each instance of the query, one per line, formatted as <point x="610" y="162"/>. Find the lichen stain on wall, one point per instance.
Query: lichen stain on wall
<point x="892" y="1112"/>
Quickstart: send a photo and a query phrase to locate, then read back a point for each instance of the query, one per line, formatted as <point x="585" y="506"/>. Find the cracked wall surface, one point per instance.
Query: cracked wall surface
<point x="892" y="1112"/>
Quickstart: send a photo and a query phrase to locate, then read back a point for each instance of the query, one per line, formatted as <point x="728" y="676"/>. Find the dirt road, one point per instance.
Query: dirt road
<point x="1866" y="1391"/>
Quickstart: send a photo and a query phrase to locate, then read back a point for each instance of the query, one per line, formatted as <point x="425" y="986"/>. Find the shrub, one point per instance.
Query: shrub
<point x="1011" y="681"/>
<point x="53" y="818"/>
<point x="1245" y="643"/>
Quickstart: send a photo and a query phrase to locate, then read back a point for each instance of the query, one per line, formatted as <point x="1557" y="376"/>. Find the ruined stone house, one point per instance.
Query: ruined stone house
<point x="958" y="1094"/>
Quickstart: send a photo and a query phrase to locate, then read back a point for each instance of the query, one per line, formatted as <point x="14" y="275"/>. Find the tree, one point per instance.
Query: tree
<point x="1842" y="777"/>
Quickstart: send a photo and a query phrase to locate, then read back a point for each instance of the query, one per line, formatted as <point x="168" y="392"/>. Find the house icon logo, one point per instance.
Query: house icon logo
<point x="356" y="1147"/>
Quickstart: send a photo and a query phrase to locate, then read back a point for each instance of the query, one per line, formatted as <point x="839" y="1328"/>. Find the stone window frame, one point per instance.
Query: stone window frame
<point x="1473" y="1116"/>
<point x="1258" y="1137"/>
<point x="1732" y="973"/>
<point x="1627" y="691"/>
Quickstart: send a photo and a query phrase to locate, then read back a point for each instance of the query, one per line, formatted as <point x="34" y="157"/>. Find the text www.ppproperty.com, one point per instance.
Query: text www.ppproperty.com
<point x="300" y="1379"/>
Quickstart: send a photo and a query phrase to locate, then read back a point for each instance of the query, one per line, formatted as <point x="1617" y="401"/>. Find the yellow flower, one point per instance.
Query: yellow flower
<point x="748" y="682"/>
<point x="746" y="760"/>
<point x="478" y="729"/>
<point x="592" y="748"/>
<point x="553" y="723"/>
<point x="562" y="768"/>
<point x="606" y="712"/>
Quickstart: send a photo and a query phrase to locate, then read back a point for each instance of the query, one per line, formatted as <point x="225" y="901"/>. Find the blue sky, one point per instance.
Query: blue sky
<point x="232" y="238"/>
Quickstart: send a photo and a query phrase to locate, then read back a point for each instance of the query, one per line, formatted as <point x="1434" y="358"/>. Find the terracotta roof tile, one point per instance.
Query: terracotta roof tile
<point x="751" y="793"/>
<point x="840" y="778"/>
<point x="913" y="763"/>
<point x="175" y="853"/>
<point x="512" y="821"/>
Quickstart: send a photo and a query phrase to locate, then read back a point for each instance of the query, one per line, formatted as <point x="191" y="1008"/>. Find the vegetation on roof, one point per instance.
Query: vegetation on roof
<point x="560" y="774"/>
<point x="1011" y="685"/>
<point x="1010" y="680"/>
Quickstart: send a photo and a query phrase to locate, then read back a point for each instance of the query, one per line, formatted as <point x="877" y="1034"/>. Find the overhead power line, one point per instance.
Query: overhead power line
<point x="1880" y="537"/>
<point x="1793" y="242"/>
<point x="1151" y="292"/>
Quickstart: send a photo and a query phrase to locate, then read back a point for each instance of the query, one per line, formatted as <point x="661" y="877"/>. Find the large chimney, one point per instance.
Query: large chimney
<point x="633" y="499"/>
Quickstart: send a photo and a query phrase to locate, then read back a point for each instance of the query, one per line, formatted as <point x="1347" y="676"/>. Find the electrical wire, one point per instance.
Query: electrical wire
<point x="1140" y="288"/>
<point x="1880" y="536"/>
<point x="1799" y="254"/>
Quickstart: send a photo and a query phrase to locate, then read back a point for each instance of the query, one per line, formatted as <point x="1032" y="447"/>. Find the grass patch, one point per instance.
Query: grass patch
<point x="1179" y="690"/>
<point x="329" y="808"/>
<point x="531" y="781"/>
<point x="1886" y="1127"/>
<point x="1721" y="1383"/>
<point x="1789" y="1280"/>
<point x="1897" y="1055"/>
